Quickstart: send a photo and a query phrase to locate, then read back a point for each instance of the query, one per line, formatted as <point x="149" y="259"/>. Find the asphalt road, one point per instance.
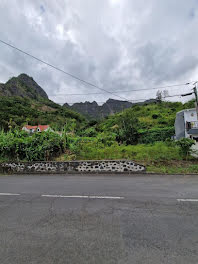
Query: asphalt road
<point x="63" y="219"/>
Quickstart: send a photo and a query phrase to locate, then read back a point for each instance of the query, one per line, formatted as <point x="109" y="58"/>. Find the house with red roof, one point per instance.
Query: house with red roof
<point x="39" y="128"/>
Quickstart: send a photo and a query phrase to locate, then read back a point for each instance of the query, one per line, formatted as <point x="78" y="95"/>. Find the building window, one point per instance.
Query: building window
<point x="188" y="125"/>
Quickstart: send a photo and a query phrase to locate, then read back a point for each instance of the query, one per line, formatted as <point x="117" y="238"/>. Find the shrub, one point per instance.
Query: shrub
<point x="89" y="132"/>
<point x="185" y="145"/>
<point x="153" y="135"/>
<point x="154" y="116"/>
<point x="107" y="139"/>
<point x="19" y="145"/>
<point x="127" y="131"/>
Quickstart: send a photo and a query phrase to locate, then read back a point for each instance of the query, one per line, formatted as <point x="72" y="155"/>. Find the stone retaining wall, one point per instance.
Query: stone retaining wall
<point x="72" y="167"/>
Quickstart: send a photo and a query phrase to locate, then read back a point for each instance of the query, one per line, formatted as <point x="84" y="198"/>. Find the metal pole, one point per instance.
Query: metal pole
<point x="196" y="98"/>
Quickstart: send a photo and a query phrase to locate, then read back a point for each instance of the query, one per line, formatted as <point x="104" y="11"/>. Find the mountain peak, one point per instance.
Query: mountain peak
<point x="24" y="75"/>
<point x="93" y="110"/>
<point x="23" y="86"/>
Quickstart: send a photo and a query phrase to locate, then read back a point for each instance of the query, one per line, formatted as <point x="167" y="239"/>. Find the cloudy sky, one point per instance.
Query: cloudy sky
<point x="119" y="45"/>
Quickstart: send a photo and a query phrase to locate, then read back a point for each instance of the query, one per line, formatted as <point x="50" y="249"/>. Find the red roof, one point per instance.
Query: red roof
<point x="30" y="127"/>
<point x="41" y="127"/>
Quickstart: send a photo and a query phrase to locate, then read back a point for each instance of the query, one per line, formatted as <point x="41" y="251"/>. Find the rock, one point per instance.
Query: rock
<point x="23" y="86"/>
<point x="95" y="111"/>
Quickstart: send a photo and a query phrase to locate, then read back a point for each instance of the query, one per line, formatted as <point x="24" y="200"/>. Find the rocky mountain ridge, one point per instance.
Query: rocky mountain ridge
<point x="23" y="86"/>
<point x="111" y="106"/>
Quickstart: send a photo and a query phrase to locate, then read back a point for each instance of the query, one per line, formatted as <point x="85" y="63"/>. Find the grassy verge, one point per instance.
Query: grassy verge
<point x="158" y="157"/>
<point x="186" y="167"/>
<point x="141" y="152"/>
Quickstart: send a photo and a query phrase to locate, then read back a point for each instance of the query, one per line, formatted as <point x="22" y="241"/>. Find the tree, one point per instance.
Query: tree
<point x="165" y="93"/>
<point x="70" y="126"/>
<point x="185" y="145"/>
<point x="68" y="131"/>
<point x="159" y="96"/>
<point x="127" y="131"/>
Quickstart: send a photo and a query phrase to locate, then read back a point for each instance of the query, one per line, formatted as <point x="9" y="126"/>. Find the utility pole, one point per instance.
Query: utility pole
<point x="196" y="97"/>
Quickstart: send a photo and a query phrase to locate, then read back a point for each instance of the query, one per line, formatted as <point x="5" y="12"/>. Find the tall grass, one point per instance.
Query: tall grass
<point x="158" y="151"/>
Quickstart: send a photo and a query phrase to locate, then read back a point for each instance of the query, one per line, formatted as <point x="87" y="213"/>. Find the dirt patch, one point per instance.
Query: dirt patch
<point x="46" y="108"/>
<point x="43" y="108"/>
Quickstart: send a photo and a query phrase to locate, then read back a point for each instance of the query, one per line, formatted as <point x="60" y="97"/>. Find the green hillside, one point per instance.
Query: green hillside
<point x="17" y="111"/>
<point x="23" y="101"/>
<point x="141" y="133"/>
<point x="153" y="122"/>
<point x="154" y="115"/>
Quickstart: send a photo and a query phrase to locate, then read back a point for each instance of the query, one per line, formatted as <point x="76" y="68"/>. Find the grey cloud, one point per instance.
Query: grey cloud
<point x="162" y="63"/>
<point x="119" y="45"/>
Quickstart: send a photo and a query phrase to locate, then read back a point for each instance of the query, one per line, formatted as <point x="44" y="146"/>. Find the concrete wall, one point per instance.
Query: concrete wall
<point x="72" y="167"/>
<point x="190" y="115"/>
<point x="180" y="125"/>
<point x="187" y="115"/>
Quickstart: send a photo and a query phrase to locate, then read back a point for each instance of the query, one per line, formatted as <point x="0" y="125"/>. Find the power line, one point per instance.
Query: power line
<point x="138" y="90"/>
<point x="178" y="95"/>
<point x="58" y="69"/>
<point x="88" y="83"/>
<point x="131" y="101"/>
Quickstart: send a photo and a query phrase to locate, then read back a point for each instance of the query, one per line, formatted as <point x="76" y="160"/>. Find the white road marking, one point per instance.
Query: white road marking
<point x="187" y="200"/>
<point x="82" y="196"/>
<point x="9" y="194"/>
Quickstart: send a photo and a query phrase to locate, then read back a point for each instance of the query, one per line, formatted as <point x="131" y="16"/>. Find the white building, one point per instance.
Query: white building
<point x="186" y="124"/>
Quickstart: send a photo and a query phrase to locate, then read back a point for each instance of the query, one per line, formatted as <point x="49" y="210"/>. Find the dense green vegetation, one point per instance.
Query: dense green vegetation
<point x="19" y="145"/>
<point x="140" y="123"/>
<point x="141" y="133"/>
<point x="23" y="101"/>
<point x="153" y="122"/>
<point x="17" y="111"/>
<point x="168" y="156"/>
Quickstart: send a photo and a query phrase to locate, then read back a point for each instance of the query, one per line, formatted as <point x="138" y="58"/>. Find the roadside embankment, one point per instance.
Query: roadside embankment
<point x="95" y="166"/>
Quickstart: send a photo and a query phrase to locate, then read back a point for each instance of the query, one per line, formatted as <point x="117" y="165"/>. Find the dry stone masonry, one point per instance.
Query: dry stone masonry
<point x="72" y="167"/>
<point x="109" y="166"/>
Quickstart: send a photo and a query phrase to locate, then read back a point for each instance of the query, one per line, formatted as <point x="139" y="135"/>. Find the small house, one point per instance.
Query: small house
<point x="39" y="128"/>
<point x="186" y="124"/>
